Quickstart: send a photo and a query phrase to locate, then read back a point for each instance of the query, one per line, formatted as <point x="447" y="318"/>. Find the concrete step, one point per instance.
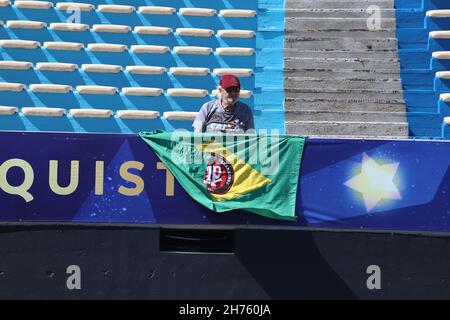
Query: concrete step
<point x="344" y="105"/>
<point x="349" y="43"/>
<point x="307" y="82"/>
<point x="337" y="13"/>
<point x="342" y="73"/>
<point x="388" y="96"/>
<point x="338" y="75"/>
<point x="359" y="137"/>
<point x="329" y="24"/>
<point x="343" y="116"/>
<point x="340" y="63"/>
<point x="330" y="34"/>
<point x="365" y="54"/>
<point x="338" y="4"/>
<point x="338" y="128"/>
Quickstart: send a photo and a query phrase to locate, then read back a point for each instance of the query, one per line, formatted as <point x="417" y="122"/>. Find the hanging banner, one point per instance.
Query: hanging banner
<point x="355" y="184"/>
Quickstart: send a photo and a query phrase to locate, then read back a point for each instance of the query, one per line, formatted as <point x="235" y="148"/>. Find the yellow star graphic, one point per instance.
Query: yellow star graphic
<point x="375" y="182"/>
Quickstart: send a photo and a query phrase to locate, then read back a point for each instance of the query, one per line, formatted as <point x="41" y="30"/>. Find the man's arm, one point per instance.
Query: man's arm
<point x="200" y="119"/>
<point x="250" y="122"/>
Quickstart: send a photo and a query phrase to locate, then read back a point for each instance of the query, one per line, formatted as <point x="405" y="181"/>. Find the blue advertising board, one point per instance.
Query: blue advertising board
<point x="116" y="178"/>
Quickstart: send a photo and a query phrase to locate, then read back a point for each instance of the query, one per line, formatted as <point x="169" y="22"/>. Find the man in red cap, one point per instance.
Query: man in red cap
<point x="225" y="114"/>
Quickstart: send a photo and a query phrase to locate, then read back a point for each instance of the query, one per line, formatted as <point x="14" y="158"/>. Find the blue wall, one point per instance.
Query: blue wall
<point x="267" y="81"/>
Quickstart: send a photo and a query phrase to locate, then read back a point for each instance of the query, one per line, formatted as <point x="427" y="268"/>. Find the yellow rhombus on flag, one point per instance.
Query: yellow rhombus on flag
<point x="246" y="178"/>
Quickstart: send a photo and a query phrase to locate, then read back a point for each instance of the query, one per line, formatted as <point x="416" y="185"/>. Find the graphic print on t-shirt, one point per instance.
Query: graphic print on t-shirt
<point x="225" y="122"/>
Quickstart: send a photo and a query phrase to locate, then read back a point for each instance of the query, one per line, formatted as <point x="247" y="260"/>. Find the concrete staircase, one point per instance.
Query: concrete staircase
<point x="342" y="79"/>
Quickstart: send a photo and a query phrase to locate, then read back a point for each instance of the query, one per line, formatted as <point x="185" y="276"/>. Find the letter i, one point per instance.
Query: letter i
<point x="99" y="177"/>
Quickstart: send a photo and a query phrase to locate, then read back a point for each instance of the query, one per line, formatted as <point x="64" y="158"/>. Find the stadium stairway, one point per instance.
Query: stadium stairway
<point x="342" y="74"/>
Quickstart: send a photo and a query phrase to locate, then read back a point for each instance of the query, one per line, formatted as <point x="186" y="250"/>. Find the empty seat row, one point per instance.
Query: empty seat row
<point x="116" y="28"/>
<point x="109" y="90"/>
<point x="438" y="14"/>
<point x="108" y="8"/>
<point x="441" y="55"/>
<point x="443" y="75"/>
<point x="122" y="29"/>
<point x="445" y="97"/>
<point x="108" y="47"/>
<point x="442" y="34"/>
<point x="108" y="68"/>
<point x="98" y="113"/>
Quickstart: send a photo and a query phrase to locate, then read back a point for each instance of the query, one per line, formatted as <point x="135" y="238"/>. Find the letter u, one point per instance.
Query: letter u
<point x="53" y="178"/>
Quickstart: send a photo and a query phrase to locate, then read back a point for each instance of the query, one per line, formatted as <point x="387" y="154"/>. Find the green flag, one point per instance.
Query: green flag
<point x="255" y="173"/>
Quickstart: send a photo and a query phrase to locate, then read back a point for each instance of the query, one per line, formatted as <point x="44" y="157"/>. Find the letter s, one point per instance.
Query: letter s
<point x="131" y="178"/>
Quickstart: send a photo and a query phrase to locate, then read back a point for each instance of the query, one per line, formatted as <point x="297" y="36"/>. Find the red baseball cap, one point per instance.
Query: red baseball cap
<point x="229" y="80"/>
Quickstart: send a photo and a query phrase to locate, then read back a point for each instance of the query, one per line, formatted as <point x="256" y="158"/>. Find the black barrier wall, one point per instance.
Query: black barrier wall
<point x="100" y="261"/>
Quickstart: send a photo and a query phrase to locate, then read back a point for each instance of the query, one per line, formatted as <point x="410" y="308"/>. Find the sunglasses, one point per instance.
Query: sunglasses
<point x="233" y="90"/>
